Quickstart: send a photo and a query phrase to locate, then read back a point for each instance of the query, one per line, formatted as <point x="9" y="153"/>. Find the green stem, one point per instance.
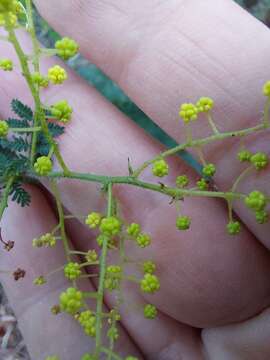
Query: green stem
<point x="130" y="180"/>
<point x="241" y="177"/>
<point x="200" y="142"/>
<point x="75" y="252"/>
<point x="54" y="271"/>
<point x="49" y="52"/>
<point x="102" y="274"/>
<point x="4" y="199"/>
<point x="39" y="116"/>
<point x="110" y="353"/>
<point x="266" y="120"/>
<point x="25" y="130"/>
<point x="32" y="32"/>
<point x="201" y="156"/>
<point x="188" y="133"/>
<point x="61" y="218"/>
<point x="233" y="189"/>
<point x="212" y="124"/>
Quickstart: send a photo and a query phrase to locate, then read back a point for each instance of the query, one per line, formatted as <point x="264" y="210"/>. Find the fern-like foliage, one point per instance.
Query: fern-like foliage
<point x="17" y="123"/>
<point x="16" y="143"/>
<point x="22" y="110"/>
<point x="43" y="147"/>
<point x="15" y="150"/>
<point x="20" y="195"/>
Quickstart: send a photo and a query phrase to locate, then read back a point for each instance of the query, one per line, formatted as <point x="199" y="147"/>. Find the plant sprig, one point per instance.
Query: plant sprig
<point x="28" y="148"/>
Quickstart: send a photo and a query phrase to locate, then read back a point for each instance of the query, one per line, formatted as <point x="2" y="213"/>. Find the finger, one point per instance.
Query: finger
<point x="247" y="340"/>
<point x="239" y="263"/>
<point x="44" y="333"/>
<point x="171" y="49"/>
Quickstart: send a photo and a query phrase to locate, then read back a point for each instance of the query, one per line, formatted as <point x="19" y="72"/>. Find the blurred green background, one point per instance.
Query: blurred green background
<point x="259" y="8"/>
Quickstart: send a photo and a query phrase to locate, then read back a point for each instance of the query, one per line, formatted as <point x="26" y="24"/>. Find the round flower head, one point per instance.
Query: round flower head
<point x="114" y="270"/>
<point x="3" y="128"/>
<point x="88" y="357"/>
<point x="66" y="48"/>
<point x="93" y="219"/>
<point x="62" y="111"/>
<point x="149" y="267"/>
<point x="113" y="277"/>
<point x="39" y="280"/>
<point x="204" y="104"/>
<point x="256" y="200"/>
<point x="47" y="240"/>
<point x="57" y="75"/>
<point x="233" y="227"/>
<point x="202" y="184"/>
<point x="133" y="230"/>
<point x="259" y="160"/>
<point x="12" y="18"/>
<point x="88" y="321"/>
<point x="102" y="237"/>
<point x="209" y="170"/>
<point x="183" y="223"/>
<point x="160" y="168"/>
<point x="110" y="226"/>
<point x="182" y="181"/>
<point x="71" y="300"/>
<point x="150" y="283"/>
<point x="40" y="80"/>
<point x="188" y="112"/>
<point x="113" y="333"/>
<point x="43" y="165"/>
<point x="262" y="216"/>
<point x="91" y="256"/>
<point x="143" y="240"/>
<point x="72" y="270"/>
<point x="244" y="155"/>
<point x="266" y="89"/>
<point x="6" y="64"/>
<point x="150" y="311"/>
<point x="8" y="6"/>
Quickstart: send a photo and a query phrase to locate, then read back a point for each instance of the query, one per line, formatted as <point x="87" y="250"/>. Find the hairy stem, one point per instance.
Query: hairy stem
<point x="110" y="353"/>
<point x="102" y="274"/>
<point x="61" y="219"/>
<point x="4" y="199"/>
<point x="25" y="130"/>
<point x="130" y="180"/>
<point x="36" y="50"/>
<point x="212" y="124"/>
<point x="32" y="32"/>
<point x="200" y="142"/>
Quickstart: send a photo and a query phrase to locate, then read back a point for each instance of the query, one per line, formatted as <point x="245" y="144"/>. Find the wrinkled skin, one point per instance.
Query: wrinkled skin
<point x="215" y="289"/>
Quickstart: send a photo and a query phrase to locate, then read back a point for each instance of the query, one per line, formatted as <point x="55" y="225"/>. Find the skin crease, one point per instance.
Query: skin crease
<point x="208" y="278"/>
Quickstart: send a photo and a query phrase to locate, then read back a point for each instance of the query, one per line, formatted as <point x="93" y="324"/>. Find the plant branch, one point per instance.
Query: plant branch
<point x="61" y="217"/>
<point x="102" y="274"/>
<point x="39" y="116"/>
<point x="4" y="199"/>
<point x="200" y="142"/>
<point x="130" y="180"/>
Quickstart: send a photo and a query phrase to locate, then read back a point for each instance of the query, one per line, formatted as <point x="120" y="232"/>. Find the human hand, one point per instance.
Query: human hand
<point x="161" y="54"/>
